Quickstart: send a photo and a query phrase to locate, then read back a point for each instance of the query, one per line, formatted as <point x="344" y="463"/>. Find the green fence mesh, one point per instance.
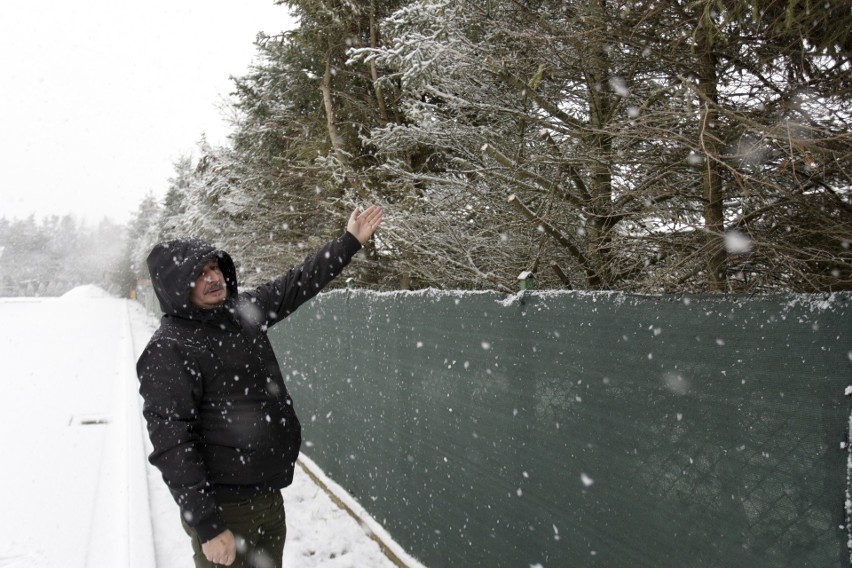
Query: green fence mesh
<point x="579" y="429"/>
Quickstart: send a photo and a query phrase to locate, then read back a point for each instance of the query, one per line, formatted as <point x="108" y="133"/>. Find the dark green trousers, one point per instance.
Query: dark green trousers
<point x="259" y="528"/>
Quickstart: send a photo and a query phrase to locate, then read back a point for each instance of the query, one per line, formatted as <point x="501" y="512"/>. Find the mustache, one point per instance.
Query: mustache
<point x="214" y="288"/>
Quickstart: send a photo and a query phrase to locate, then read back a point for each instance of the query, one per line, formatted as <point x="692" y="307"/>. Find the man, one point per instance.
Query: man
<point x="223" y="427"/>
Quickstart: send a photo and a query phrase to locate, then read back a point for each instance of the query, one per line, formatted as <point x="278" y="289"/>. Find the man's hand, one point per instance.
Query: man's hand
<point x="363" y="225"/>
<point x="221" y="549"/>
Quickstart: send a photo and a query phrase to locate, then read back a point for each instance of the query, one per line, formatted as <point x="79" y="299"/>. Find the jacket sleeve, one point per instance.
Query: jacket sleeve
<point x="171" y="387"/>
<point x="278" y="299"/>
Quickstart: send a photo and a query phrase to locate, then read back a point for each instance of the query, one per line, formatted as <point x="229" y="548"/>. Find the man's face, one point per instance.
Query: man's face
<point x="209" y="290"/>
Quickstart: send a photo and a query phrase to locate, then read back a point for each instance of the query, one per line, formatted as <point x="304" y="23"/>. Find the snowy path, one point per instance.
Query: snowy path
<point x="76" y="488"/>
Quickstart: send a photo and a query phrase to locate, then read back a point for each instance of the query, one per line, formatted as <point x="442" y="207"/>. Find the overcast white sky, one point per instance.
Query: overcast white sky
<point x="98" y="98"/>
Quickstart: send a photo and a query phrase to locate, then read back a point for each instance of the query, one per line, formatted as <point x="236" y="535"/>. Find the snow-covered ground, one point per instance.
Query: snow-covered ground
<point x="76" y="488"/>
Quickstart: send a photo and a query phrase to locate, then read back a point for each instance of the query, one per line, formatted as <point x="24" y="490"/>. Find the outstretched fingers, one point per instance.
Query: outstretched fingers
<point x="372" y="216"/>
<point x="363" y="224"/>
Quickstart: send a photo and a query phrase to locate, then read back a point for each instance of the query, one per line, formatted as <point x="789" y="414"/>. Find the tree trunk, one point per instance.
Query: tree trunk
<point x="337" y="142"/>
<point x="597" y="68"/>
<point x="374" y="73"/>
<point x="367" y="274"/>
<point x="333" y="134"/>
<point x="708" y="134"/>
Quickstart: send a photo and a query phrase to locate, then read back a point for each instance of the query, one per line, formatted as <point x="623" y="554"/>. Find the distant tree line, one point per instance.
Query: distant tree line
<point x="51" y="256"/>
<point x="644" y="146"/>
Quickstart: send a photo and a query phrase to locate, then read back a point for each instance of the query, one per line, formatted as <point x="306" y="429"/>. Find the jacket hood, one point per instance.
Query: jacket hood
<point x="175" y="265"/>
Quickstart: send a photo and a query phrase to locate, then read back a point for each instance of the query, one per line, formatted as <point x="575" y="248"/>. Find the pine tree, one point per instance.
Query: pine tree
<point x="639" y="142"/>
<point x="630" y="145"/>
<point x="141" y="238"/>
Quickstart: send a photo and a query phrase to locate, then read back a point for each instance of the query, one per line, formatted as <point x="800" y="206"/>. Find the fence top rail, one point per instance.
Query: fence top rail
<point x="816" y="301"/>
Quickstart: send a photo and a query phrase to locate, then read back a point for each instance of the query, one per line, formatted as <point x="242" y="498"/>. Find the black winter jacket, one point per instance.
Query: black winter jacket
<point x="219" y="416"/>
